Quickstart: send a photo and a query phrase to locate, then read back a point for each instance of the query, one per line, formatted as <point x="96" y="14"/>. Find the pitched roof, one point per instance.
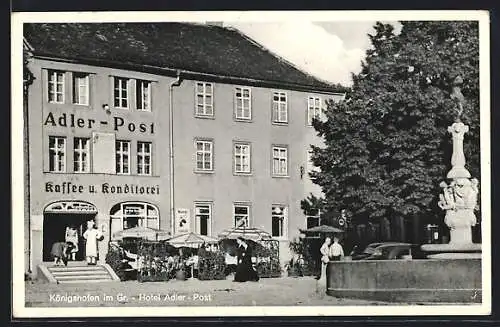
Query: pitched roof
<point x="198" y="48"/>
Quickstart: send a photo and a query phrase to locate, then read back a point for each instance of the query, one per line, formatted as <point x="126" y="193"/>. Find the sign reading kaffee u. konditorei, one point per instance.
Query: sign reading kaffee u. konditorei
<point x="103" y="188"/>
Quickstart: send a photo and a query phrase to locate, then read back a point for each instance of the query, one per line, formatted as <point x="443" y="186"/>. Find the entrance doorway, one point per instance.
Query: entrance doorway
<point x="60" y="215"/>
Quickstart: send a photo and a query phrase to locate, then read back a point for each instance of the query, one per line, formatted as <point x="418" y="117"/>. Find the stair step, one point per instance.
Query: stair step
<point x="76" y="268"/>
<point x="84" y="281"/>
<point x="79" y="273"/>
<point x="80" y="277"/>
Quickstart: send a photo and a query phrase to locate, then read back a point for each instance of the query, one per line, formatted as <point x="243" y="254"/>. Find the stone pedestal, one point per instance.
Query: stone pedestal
<point x="462" y="233"/>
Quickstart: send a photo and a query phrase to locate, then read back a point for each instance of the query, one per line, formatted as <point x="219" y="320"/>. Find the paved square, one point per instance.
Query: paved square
<point x="267" y="292"/>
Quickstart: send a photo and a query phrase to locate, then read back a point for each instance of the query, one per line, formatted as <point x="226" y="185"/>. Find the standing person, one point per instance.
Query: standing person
<point x="336" y="250"/>
<point x="244" y="269"/>
<point x="92" y="235"/>
<point x="325" y="252"/>
<point x="72" y="237"/>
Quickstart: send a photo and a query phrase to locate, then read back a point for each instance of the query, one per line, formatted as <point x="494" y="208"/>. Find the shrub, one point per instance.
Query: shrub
<point x="114" y="258"/>
<point x="157" y="261"/>
<point x="307" y="260"/>
<point x="268" y="262"/>
<point x="211" y="265"/>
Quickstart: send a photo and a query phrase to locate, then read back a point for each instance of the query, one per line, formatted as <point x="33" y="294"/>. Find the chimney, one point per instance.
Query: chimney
<point x="220" y="24"/>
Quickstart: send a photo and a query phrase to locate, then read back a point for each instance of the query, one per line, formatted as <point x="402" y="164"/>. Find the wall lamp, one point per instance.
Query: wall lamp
<point x="106" y="107"/>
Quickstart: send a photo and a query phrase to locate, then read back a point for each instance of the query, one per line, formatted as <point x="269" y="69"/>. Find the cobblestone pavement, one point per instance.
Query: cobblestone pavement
<point x="267" y="292"/>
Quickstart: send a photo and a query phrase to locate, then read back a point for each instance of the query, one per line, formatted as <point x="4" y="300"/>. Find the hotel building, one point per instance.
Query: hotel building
<point x="172" y="126"/>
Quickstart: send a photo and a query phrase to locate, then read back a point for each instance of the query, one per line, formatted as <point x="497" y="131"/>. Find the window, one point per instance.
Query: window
<point x="81" y="89"/>
<point x="278" y="220"/>
<point x="243" y="106"/>
<point x="312" y="221"/>
<point x="313" y="218"/>
<point x="81" y="155"/>
<point x="241" y="215"/>
<point x="242" y="158"/>
<point x="143" y="95"/>
<point x="144" y="158"/>
<point x="280" y="110"/>
<point x="57" y="154"/>
<point x="133" y="214"/>
<point x="56" y="86"/>
<point x="280" y="161"/>
<point x="204" y="155"/>
<point x="204" y="99"/>
<point x="203" y="216"/>
<point x="123" y="157"/>
<point x="121" y="92"/>
<point x="314" y="109"/>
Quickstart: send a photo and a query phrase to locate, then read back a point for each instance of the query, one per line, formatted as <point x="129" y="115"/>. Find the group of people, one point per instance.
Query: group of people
<point x="62" y="252"/>
<point x="330" y="252"/>
<point x="245" y="270"/>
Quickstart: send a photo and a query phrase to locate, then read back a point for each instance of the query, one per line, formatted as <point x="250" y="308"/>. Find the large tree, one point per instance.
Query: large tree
<point x="386" y="145"/>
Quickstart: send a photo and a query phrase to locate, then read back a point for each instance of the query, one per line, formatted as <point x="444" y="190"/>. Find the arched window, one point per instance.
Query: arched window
<point x="132" y="214"/>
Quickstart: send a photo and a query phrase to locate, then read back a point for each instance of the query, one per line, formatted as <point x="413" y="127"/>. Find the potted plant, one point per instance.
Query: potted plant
<point x="180" y="274"/>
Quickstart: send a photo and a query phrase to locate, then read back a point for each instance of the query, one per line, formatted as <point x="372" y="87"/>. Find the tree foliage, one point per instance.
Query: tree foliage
<point x="386" y="145"/>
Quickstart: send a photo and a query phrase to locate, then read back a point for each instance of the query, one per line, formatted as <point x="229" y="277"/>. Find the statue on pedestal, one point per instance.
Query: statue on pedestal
<point x="459" y="197"/>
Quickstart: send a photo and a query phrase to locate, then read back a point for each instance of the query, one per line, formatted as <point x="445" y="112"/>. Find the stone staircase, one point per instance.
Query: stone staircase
<point x="76" y="272"/>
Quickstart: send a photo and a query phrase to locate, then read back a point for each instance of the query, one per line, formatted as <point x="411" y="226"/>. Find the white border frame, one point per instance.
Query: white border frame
<point x="18" y="283"/>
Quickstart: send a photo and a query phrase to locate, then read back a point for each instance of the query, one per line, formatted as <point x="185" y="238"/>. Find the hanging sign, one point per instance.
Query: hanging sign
<point x="182" y="221"/>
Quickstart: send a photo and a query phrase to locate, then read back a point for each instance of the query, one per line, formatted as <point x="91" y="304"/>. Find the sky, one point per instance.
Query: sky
<point x="330" y="51"/>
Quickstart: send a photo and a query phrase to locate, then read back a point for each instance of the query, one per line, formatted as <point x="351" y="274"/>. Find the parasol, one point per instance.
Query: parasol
<point x="141" y="232"/>
<point x="252" y="234"/>
<point x="191" y="240"/>
<point x="325" y="229"/>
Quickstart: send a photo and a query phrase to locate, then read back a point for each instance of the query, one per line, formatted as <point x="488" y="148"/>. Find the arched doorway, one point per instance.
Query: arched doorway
<point x="61" y="214"/>
<point x="126" y="215"/>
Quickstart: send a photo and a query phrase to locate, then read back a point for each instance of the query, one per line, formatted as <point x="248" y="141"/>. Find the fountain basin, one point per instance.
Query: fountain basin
<point x="407" y="281"/>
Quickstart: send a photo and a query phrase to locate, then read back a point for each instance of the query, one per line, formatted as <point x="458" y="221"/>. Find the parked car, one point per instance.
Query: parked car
<point x="370" y="250"/>
<point x="392" y="251"/>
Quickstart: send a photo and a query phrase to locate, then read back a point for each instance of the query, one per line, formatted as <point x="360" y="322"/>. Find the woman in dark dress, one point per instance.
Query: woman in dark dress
<point x="244" y="270"/>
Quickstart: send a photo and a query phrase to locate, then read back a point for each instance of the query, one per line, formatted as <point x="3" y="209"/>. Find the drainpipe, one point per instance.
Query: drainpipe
<point x="27" y="163"/>
<point x="176" y="82"/>
<point x="27" y="177"/>
<point x="28" y="79"/>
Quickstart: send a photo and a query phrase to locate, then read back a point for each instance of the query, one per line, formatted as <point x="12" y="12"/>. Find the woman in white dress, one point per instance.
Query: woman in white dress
<point x="72" y="236"/>
<point x="91" y="235"/>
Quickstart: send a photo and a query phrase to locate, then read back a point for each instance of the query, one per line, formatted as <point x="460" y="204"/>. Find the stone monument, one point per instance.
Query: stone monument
<point x="459" y="195"/>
